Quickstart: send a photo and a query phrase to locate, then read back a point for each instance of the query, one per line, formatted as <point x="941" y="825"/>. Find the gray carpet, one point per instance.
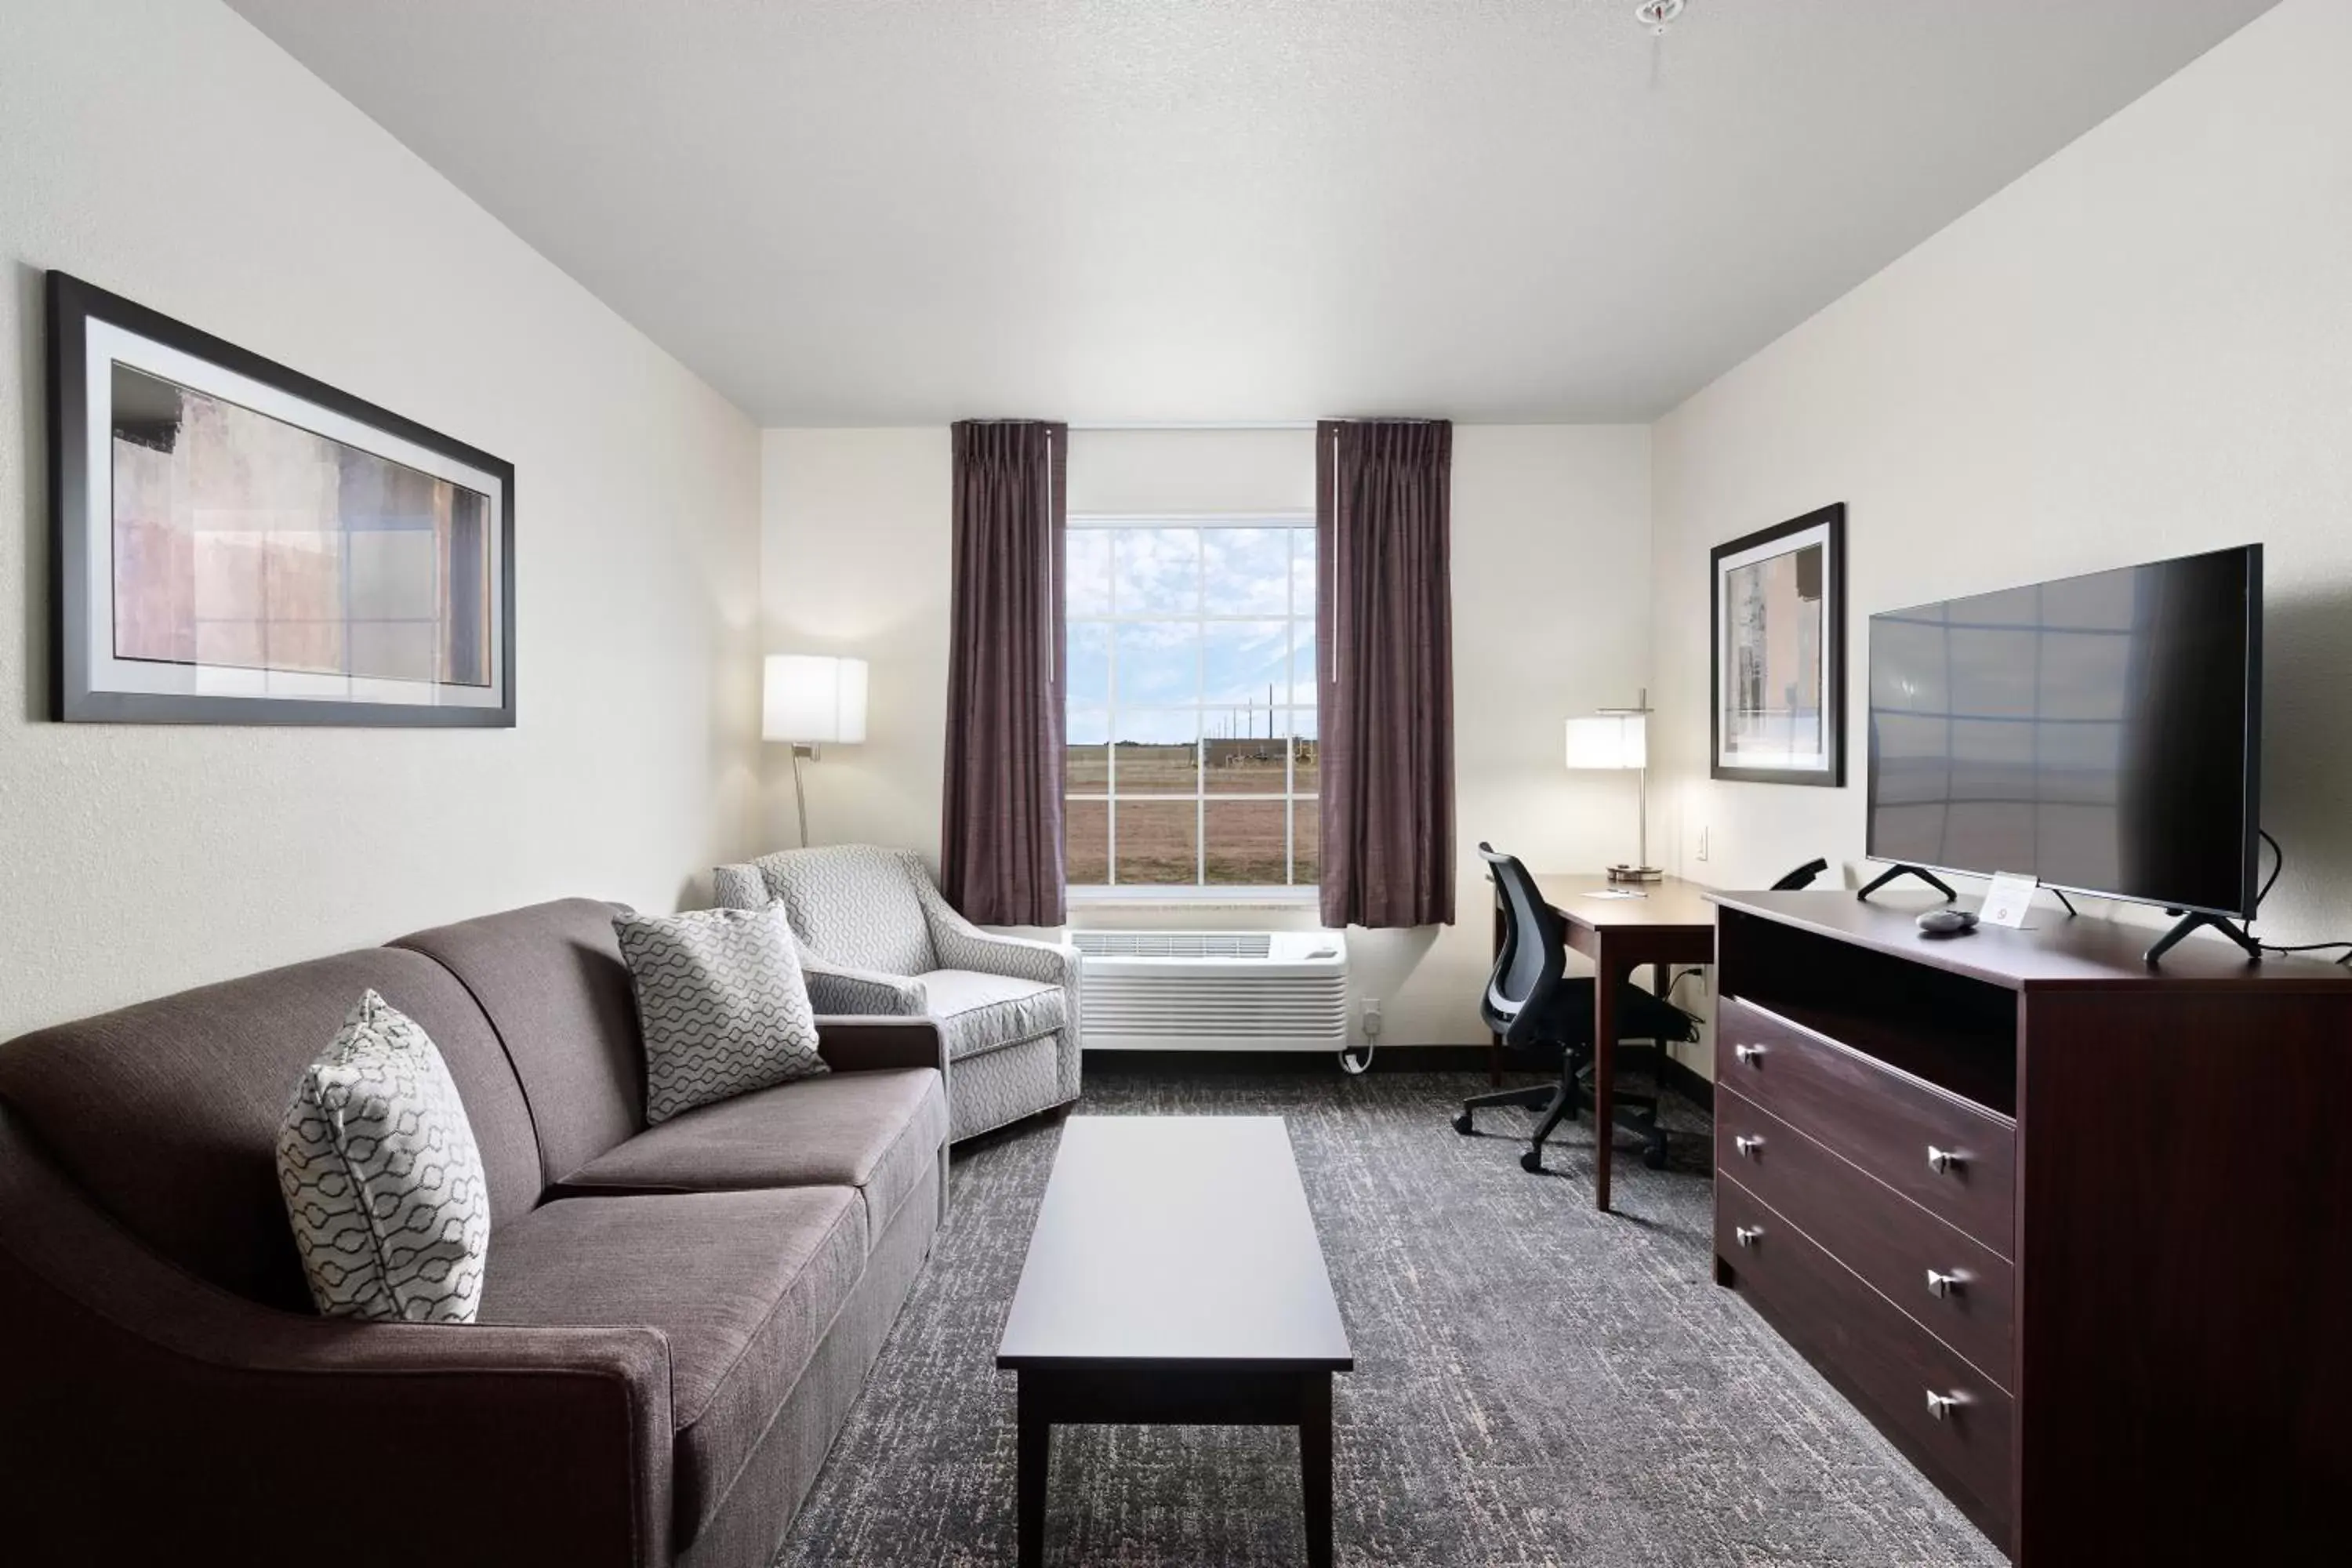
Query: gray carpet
<point x="1535" y="1382"/>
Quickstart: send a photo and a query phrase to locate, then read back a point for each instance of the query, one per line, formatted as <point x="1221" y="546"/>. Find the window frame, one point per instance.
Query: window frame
<point x="1199" y="891"/>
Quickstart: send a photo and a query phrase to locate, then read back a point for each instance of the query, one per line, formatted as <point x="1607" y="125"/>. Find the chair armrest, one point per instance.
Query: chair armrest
<point x="865" y="1045"/>
<point x="963" y="945"/>
<point x="138" y="1392"/>
<point x="738" y="887"/>
<point x="836" y="988"/>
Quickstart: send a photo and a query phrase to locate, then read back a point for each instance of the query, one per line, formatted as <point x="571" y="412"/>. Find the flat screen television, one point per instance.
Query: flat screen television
<point x="2101" y="733"/>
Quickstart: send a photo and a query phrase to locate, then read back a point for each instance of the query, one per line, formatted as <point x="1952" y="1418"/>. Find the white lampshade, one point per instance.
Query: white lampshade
<point x="813" y="699"/>
<point x="1608" y="741"/>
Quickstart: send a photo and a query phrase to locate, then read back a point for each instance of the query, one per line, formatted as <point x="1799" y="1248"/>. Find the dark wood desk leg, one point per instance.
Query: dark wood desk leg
<point x="1607" y="974"/>
<point x="1035" y="1445"/>
<point x="1315" y="1463"/>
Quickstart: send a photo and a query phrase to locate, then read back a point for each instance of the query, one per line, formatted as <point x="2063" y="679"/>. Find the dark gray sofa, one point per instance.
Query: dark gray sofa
<point x="673" y="1322"/>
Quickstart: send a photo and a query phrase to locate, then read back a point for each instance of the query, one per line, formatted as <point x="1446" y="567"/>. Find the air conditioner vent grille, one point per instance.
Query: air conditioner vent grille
<point x="1173" y="944"/>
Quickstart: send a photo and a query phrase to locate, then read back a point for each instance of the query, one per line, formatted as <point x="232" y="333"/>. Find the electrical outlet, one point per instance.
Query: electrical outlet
<point x="1702" y="842"/>
<point x="1372" y="1016"/>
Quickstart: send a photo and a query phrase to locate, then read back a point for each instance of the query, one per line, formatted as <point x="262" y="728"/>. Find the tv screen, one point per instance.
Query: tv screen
<point x="2101" y="733"/>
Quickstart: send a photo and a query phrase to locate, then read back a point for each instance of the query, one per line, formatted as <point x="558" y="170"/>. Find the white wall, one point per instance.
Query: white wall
<point x="1552" y="594"/>
<point x="166" y="150"/>
<point x="2140" y="348"/>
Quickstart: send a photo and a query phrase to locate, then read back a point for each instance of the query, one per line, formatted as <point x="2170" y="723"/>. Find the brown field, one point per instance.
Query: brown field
<point x="1159" y="840"/>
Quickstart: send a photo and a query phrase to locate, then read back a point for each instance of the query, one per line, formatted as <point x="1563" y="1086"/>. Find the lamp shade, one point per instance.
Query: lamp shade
<point x="813" y="698"/>
<point x="1608" y="741"/>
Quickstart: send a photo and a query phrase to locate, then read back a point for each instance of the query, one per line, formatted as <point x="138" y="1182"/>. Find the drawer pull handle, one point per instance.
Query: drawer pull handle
<point x="1944" y="1162"/>
<point x="1942" y="1405"/>
<point x="1942" y="1284"/>
<point x="1747" y="1235"/>
<point x="1746" y="1144"/>
<point x="1749" y="1055"/>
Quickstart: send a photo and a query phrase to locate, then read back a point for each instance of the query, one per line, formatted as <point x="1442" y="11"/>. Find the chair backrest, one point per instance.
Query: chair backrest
<point x="1802" y="876"/>
<point x="858" y="905"/>
<point x="1533" y="957"/>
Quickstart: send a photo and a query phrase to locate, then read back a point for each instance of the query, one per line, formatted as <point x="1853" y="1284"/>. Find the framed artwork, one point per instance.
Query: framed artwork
<point x="237" y="543"/>
<point x="1778" y="653"/>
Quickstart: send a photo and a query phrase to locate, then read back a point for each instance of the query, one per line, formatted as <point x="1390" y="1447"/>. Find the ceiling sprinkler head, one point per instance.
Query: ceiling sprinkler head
<point x="1658" y="14"/>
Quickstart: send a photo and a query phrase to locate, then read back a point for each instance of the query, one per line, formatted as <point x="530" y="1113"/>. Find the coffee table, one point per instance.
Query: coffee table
<point x="1174" y="1278"/>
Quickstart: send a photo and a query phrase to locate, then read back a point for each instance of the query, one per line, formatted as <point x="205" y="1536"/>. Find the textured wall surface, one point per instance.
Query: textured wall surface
<point x="1551" y="617"/>
<point x="166" y="150"/>
<point x="2141" y="349"/>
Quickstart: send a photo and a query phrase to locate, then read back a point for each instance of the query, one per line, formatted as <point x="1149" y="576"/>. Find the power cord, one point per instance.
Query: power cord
<point x="2278" y="863"/>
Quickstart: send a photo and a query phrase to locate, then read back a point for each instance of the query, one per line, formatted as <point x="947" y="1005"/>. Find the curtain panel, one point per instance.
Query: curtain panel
<point x="1384" y="670"/>
<point x="1000" y="834"/>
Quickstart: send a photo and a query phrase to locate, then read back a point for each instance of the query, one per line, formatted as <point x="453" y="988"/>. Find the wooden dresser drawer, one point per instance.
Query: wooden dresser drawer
<point x="1951" y="1284"/>
<point x="1894" y="1370"/>
<point x="1952" y="1157"/>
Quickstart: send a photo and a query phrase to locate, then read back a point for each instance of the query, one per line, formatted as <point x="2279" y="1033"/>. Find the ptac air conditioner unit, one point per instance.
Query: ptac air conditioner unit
<point x="1214" y="990"/>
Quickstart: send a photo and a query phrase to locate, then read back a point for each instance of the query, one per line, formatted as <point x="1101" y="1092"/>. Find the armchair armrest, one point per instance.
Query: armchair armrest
<point x="963" y="945"/>
<point x="865" y="1045"/>
<point x="838" y="988"/>
<point x="138" y="1392"/>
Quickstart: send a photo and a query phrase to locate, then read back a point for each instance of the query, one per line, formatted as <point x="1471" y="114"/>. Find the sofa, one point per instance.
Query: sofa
<point x="674" y="1322"/>
<point x="877" y="937"/>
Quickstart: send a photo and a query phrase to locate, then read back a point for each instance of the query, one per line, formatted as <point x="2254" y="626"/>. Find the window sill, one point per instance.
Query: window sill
<point x="1193" y="898"/>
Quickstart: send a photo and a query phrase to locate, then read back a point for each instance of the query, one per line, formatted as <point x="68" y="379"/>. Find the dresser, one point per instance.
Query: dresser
<point x="2072" y="1232"/>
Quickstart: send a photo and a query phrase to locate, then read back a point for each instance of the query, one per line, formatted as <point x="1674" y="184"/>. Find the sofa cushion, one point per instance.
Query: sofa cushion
<point x="982" y="1012"/>
<point x="204" y="1077"/>
<point x="742" y="1285"/>
<point x="722" y="1005"/>
<point x="552" y="980"/>
<point x="382" y="1180"/>
<point x="879" y="1133"/>
<point x="856" y="905"/>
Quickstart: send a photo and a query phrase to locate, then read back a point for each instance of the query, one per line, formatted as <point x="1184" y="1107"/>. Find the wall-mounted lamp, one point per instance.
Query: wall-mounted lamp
<point x="811" y="700"/>
<point x="1619" y="738"/>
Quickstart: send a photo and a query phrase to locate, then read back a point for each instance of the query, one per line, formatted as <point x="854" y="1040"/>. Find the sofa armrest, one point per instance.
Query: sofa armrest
<point x="836" y="988"/>
<point x="864" y="1045"/>
<point x="139" y="1393"/>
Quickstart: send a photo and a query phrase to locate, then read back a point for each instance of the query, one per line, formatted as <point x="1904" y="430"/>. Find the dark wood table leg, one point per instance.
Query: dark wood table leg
<point x="1607" y="974"/>
<point x="1035" y="1445"/>
<point x="1315" y="1463"/>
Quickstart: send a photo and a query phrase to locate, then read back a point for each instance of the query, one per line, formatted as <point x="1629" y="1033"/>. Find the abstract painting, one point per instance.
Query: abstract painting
<point x="237" y="543"/>
<point x="1778" y="653"/>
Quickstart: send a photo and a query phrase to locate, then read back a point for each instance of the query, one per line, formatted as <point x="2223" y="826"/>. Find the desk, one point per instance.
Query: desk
<point x="1673" y="923"/>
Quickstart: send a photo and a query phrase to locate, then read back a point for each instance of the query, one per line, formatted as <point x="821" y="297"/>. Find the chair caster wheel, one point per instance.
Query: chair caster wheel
<point x="1464" y="1125"/>
<point x="1531" y="1160"/>
<point x="1654" y="1154"/>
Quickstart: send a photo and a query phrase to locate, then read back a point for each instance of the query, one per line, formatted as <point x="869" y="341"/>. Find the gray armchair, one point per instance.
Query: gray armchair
<point x="877" y="937"/>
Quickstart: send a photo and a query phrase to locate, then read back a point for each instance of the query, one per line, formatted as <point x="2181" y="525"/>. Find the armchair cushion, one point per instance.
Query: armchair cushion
<point x="741" y="1285"/>
<point x="983" y="1012"/>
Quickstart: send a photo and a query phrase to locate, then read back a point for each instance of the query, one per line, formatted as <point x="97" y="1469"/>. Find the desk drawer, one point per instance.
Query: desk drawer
<point x="1887" y="1364"/>
<point x="1891" y="1124"/>
<point x="1897" y="1247"/>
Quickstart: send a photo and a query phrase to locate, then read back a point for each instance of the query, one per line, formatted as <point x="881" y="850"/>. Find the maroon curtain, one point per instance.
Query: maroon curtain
<point x="1001" y="835"/>
<point x="1384" y="668"/>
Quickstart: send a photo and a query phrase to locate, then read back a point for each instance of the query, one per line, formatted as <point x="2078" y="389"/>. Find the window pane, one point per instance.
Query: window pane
<point x="1307" y="849"/>
<point x="1245" y="571"/>
<point x="1085" y="581"/>
<point x="1156" y="842"/>
<point x="1086" y="842"/>
<point x="1156" y="570"/>
<point x="1245" y="764"/>
<point x="1306" y="775"/>
<point x="1245" y="665"/>
<point x="1244" y="847"/>
<point x="1302" y="662"/>
<point x="1302" y="571"/>
<point x="1159" y="663"/>
<point x="1088" y="679"/>
<point x="1087" y="762"/>
<point x="1157" y="752"/>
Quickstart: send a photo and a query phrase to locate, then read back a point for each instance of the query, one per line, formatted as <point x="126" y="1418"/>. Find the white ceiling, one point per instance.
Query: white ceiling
<point x="848" y="211"/>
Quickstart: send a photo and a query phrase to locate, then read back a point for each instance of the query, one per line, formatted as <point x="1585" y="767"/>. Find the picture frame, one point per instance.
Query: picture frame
<point x="235" y="543"/>
<point x="1777" y="653"/>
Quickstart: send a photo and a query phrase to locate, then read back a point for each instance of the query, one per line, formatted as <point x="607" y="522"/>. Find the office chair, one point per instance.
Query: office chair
<point x="1536" y="1007"/>
<point x="1802" y="876"/>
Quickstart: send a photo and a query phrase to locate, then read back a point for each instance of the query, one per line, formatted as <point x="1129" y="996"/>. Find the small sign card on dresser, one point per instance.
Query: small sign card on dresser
<point x="2009" y="900"/>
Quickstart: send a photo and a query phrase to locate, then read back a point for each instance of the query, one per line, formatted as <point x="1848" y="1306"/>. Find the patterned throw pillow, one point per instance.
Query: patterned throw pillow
<point x="722" y="1003"/>
<point x="381" y="1176"/>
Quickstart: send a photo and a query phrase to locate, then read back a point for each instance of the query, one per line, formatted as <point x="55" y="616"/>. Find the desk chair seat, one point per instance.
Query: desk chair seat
<point x="1538" y="1009"/>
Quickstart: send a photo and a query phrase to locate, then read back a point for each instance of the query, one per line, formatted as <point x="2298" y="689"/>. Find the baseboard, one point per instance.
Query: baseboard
<point x="1686" y="1081"/>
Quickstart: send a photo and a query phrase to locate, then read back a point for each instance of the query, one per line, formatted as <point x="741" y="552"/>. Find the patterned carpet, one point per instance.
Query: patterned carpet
<point x="1535" y="1382"/>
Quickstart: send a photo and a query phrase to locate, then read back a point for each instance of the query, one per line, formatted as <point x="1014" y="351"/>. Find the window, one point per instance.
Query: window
<point x="1191" y="703"/>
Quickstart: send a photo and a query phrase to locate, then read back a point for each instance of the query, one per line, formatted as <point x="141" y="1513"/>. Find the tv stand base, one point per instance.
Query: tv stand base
<point x="1921" y="872"/>
<point x="2189" y="922"/>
